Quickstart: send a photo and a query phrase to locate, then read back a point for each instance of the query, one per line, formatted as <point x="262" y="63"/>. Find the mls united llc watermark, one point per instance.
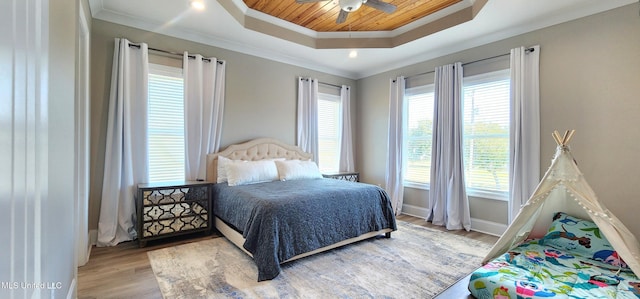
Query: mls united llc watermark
<point x="14" y="285"/>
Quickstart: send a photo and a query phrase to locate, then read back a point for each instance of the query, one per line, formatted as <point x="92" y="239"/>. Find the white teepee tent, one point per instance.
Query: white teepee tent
<point x="564" y="189"/>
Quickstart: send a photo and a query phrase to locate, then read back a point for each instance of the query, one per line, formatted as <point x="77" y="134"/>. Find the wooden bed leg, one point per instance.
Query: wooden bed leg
<point x="387" y="235"/>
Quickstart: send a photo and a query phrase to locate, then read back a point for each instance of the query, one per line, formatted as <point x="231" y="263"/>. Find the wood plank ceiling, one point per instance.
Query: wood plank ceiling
<point x="321" y="16"/>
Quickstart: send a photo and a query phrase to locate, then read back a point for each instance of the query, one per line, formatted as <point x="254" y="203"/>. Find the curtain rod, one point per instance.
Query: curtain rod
<point x="171" y="53"/>
<point x="528" y="50"/>
<point x="327" y="84"/>
<point x="332" y="85"/>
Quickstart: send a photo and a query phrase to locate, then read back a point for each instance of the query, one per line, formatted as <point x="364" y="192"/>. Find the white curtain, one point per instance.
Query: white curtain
<point x="125" y="164"/>
<point x="346" y="137"/>
<point x="525" y="129"/>
<point x="395" y="173"/>
<point x="307" y="116"/>
<point x="448" y="202"/>
<point x="204" y="91"/>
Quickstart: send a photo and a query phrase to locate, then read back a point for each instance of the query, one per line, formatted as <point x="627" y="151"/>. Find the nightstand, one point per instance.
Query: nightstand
<point x="173" y="208"/>
<point x="346" y="176"/>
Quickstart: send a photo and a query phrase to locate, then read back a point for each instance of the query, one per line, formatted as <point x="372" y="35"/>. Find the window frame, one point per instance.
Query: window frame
<point x="481" y="78"/>
<point x="412" y="91"/>
<point x="426" y="88"/>
<point x="330" y="97"/>
<point x="156" y="69"/>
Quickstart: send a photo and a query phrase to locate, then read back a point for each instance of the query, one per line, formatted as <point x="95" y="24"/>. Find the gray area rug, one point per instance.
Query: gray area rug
<point x="416" y="262"/>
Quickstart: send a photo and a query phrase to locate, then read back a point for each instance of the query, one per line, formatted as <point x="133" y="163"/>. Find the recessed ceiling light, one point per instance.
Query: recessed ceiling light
<point x="197" y="4"/>
<point x="353" y="54"/>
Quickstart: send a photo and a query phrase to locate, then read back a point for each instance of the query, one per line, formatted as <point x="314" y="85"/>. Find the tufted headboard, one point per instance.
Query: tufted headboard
<point x="253" y="150"/>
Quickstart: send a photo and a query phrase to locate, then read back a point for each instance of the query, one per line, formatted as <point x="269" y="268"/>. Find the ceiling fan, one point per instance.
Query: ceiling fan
<point x="347" y="6"/>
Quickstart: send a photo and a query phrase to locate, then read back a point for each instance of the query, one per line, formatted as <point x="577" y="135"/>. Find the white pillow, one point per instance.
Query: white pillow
<point x="222" y="169"/>
<point x="297" y="169"/>
<point x="251" y="172"/>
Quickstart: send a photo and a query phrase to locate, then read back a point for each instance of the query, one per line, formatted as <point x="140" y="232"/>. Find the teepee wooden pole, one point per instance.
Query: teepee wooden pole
<point x="556" y="137"/>
<point x="563" y="140"/>
<point x="570" y="136"/>
<point x="564" y="137"/>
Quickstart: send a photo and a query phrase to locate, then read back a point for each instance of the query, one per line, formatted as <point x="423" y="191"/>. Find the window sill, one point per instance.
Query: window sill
<point x="470" y="192"/>
<point x="416" y="186"/>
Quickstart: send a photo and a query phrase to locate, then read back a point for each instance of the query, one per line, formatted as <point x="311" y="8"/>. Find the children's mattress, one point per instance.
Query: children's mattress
<point x="532" y="270"/>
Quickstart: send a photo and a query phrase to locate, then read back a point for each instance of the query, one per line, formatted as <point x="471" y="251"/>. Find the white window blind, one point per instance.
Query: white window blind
<point x="486" y="134"/>
<point x="418" y="134"/>
<point x="328" y="132"/>
<point x="166" y="124"/>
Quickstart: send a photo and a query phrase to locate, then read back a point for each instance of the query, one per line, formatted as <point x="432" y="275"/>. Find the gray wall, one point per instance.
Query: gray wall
<point x="58" y="209"/>
<point x="589" y="72"/>
<point x="260" y="94"/>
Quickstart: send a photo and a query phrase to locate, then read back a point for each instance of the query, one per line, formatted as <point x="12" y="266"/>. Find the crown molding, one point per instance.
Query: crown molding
<point x="459" y="13"/>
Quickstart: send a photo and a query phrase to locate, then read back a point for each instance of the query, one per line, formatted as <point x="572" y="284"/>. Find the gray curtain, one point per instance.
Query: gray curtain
<point x="125" y="163"/>
<point x="203" y="107"/>
<point x="525" y="127"/>
<point x="448" y="202"/>
<point x="394" y="174"/>
<point x="307" y="117"/>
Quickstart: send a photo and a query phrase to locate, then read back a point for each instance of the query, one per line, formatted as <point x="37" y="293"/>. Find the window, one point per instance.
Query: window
<point x="419" y="102"/>
<point x="486" y="134"/>
<point x="165" y="127"/>
<point x="485" y="137"/>
<point x="329" y="124"/>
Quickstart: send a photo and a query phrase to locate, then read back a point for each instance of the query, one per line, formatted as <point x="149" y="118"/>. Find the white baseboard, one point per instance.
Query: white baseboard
<point x="72" y="294"/>
<point x="488" y="227"/>
<point x="93" y="237"/>
<point x="479" y="225"/>
<point x="414" y="211"/>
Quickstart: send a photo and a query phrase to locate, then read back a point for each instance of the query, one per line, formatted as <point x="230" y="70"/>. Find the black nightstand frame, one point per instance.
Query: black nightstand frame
<point x="346" y="176"/>
<point x="173" y="208"/>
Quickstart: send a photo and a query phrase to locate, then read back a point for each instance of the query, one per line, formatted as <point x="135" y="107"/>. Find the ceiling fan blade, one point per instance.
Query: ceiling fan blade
<point x="309" y="1"/>
<point x="342" y="16"/>
<point x="378" y="4"/>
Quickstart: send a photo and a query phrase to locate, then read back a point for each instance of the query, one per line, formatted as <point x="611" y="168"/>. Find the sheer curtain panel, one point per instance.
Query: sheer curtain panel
<point x="525" y="129"/>
<point x="204" y="80"/>
<point x="125" y="164"/>
<point x="395" y="172"/>
<point x="346" y="137"/>
<point x="448" y="202"/>
<point x="307" y="116"/>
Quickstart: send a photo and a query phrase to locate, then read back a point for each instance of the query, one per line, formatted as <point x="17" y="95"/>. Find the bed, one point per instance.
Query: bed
<point x="295" y="214"/>
<point x="573" y="260"/>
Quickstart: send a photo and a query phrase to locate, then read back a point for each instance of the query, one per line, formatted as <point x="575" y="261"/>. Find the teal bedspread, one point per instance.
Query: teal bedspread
<point x="535" y="271"/>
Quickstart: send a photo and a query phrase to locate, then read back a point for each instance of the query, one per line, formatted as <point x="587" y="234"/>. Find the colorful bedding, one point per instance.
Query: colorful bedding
<point x="571" y="261"/>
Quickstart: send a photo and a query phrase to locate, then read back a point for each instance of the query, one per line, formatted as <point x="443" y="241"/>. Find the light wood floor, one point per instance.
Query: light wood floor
<point x="124" y="271"/>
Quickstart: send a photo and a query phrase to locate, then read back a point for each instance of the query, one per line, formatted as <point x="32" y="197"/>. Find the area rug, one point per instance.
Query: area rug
<point x="416" y="262"/>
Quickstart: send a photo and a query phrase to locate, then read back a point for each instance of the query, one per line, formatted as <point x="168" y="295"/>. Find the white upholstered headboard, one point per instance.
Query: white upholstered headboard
<point x="253" y="150"/>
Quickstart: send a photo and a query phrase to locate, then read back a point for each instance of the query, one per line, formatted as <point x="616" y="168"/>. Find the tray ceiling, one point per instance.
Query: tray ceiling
<point x="321" y="16"/>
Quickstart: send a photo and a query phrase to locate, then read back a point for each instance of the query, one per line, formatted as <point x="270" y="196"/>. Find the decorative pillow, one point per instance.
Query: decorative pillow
<point x="297" y="169"/>
<point x="251" y="172"/>
<point x="224" y="161"/>
<point x="580" y="236"/>
<point x="222" y="169"/>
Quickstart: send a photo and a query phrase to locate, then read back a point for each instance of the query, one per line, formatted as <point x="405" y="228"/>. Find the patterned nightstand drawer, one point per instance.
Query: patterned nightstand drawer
<point x="173" y="208"/>
<point x="347" y="176"/>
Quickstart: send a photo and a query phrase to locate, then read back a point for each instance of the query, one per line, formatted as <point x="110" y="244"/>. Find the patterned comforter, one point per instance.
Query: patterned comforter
<point x="532" y="270"/>
<point x="282" y="219"/>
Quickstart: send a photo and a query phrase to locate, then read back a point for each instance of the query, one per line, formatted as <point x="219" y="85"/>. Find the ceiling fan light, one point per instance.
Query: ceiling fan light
<point x="350" y="5"/>
<point x="197" y="4"/>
